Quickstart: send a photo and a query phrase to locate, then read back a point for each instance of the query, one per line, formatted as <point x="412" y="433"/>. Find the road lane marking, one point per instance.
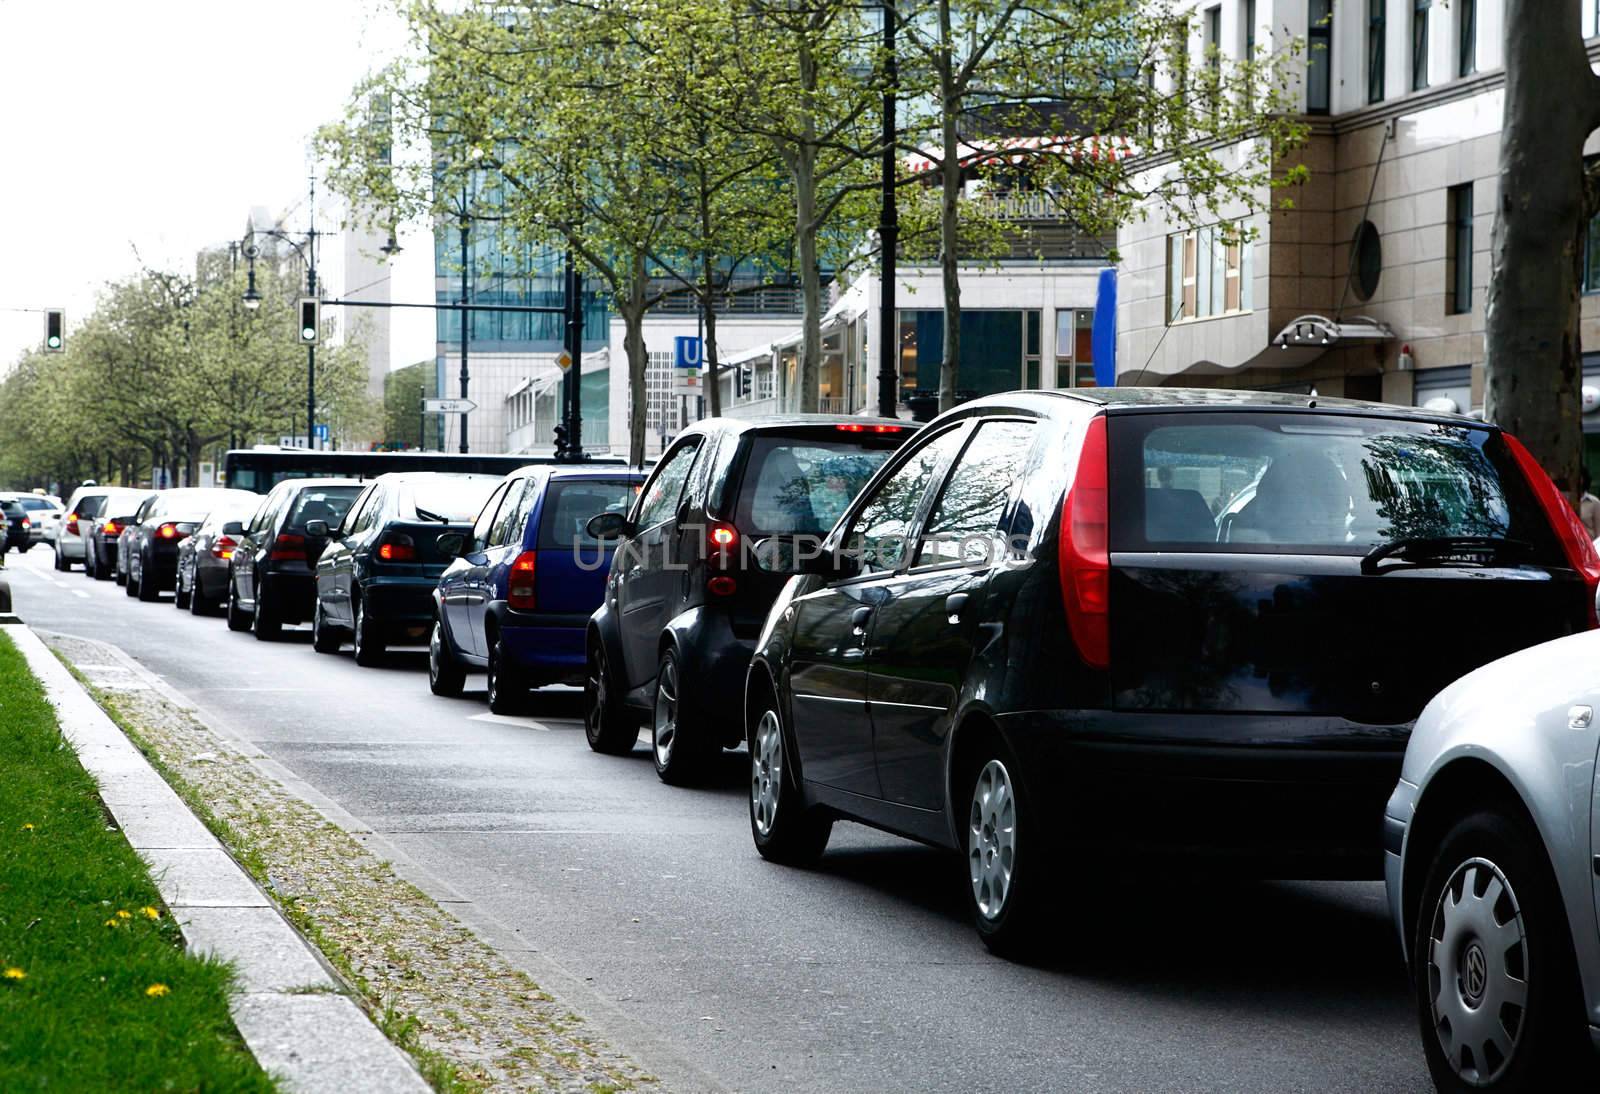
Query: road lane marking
<point x="509" y="720"/>
<point x="80" y="592"/>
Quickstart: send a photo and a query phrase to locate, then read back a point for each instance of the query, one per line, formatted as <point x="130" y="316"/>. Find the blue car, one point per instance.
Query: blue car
<point x="515" y="602"/>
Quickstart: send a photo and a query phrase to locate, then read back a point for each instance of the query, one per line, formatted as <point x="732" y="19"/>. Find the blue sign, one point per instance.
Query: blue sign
<point x="687" y="352"/>
<point x="1103" y="335"/>
<point x="322" y="431"/>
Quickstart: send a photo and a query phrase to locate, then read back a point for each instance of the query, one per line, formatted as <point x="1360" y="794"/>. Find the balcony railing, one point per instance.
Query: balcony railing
<point x="766" y="300"/>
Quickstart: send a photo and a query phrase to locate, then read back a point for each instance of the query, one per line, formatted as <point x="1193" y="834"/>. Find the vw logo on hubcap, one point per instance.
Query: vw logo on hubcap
<point x="1474" y="974"/>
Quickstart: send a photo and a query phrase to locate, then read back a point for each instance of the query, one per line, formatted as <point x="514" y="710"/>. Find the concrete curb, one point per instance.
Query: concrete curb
<point x="290" y="1009"/>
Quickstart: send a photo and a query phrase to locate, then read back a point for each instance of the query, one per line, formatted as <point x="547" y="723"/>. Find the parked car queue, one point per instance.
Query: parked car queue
<point x="1059" y="633"/>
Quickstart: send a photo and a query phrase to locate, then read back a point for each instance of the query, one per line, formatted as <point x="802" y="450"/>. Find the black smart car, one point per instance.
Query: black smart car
<point x="683" y="606"/>
<point x="270" y="580"/>
<point x="375" y="579"/>
<point x="170" y="518"/>
<point x="1120" y="626"/>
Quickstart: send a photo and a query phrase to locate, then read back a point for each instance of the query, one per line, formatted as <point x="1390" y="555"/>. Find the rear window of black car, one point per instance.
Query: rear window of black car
<point x="1306" y="483"/>
<point x="804" y="484"/>
<point x="91" y="505"/>
<point x="327" y="503"/>
<point x="569" y="505"/>
<point x="446" y="497"/>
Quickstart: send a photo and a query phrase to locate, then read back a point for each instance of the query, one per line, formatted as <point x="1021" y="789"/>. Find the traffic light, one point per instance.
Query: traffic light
<point x="561" y="442"/>
<point x="55" y="330"/>
<point x="310" y="320"/>
<point x="744" y="379"/>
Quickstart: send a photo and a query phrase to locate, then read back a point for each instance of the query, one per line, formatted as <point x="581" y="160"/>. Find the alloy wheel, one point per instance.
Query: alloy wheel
<point x="594" y="694"/>
<point x="766" y="772"/>
<point x="992" y="839"/>
<point x="665" y="728"/>
<point x="1477" y="972"/>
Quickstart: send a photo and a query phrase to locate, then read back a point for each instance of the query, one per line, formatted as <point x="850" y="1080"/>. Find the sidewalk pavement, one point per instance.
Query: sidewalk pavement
<point x="291" y="1010"/>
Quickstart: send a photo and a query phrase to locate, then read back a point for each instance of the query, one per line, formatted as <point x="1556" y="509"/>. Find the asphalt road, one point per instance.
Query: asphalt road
<point x="647" y="909"/>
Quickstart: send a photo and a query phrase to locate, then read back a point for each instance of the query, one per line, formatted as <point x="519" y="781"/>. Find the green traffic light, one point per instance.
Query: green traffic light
<point x="55" y="342"/>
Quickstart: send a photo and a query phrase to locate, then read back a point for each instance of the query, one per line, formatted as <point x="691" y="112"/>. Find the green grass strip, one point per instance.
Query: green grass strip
<point x="96" y="989"/>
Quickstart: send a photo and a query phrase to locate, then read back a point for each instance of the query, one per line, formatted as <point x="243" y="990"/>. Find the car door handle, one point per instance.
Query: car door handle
<point x="858" y="619"/>
<point x="953" y="605"/>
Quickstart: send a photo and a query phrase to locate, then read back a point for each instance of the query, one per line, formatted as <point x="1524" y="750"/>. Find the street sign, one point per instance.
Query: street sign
<point x="322" y="432"/>
<point x="293" y="442"/>
<point x="563" y="360"/>
<point x="687" y="352"/>
<point x="448" y="406"/>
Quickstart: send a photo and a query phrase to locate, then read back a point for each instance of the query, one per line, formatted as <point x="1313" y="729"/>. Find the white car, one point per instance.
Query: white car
<point x="44" y="514"/>
<point x="1491" y="841"/>
<point x="87" y="503"/>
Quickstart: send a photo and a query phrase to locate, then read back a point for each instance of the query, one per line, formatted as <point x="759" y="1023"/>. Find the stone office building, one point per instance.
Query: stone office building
<point x="1404" y="101"/>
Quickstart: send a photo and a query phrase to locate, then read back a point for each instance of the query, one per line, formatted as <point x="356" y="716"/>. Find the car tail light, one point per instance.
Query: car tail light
<point x="26" y="522"/>
<point x="288" y="547"/>
<point x="397" y="547"/>
<point x="861" y="427"/>
<point x="223" y="547"/>
<point x="519" y="592"/>
<point x="110" y="528"/>
<point x="1569" y="529"/>
<point x="168" y="531"/>
<point x="1085" y="558"/>
<point x="72" y="524"/>
<point x="723" y="585"/>
<point x="722" y="538"/>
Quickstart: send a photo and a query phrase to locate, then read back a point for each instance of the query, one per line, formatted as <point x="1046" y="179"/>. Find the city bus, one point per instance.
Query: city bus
<point x="260" y="469"/>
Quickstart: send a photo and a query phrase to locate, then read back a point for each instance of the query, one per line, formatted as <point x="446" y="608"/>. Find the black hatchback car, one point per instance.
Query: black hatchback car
<point x="375" y="579"/>
<point x="171" y="517"/>
<point x="1122" y="626"/>
<point x="683" y="606"/>
<point x="270" y="580"/>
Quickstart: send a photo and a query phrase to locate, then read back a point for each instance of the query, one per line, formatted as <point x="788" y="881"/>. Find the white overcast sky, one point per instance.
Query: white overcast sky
<point x="156" y="125"/>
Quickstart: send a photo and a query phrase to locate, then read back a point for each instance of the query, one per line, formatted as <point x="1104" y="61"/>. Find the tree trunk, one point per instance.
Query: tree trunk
<point x="949" y="213"/>
<point x="632" y="307"/>
<point x="1552" y="104"/>
<point x="805" y="199"/>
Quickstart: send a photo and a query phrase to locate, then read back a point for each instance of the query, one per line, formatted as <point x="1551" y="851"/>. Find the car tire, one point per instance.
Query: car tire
<point x="24" y="549"/>
<point x="149" y="589"/>
<point x="180" y="596"/>
<point x="88" y="564"/>
<point x="324" y="639"/>
<point x="1488" y="881"/>
<point x="446" y="675"/>
<point x="784" y="828"/>
<point x="264" y="622"/>
<point x="99" y="572"/>
<point x="365" y="635"/>
<point x="605" y="723"/>
<point x="237" y="620"/>
<point x="198" y="604"/>
<point x="677" y="744"/>
<point x="1007" y="894"/>
<point x="130" y="586"/>
<point x="62" y="565"/>
<point x="120" y="575"/>
<point x="508" y="690"/>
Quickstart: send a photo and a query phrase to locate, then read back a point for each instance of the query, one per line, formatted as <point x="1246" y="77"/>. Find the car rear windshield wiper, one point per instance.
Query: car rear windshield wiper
<point x="1441" y="549"/>
<point x="428" y="514"/>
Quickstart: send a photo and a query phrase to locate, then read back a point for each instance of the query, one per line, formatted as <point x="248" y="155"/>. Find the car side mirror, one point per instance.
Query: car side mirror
<point x="608" y="526"/>
<point x="233" y="528"/>
<point x="318" y="528"/>
<point x="450" y="544"/>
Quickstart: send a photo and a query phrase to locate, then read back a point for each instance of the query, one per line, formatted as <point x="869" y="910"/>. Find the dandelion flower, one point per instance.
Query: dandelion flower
<point x="155" y="990"/>
<point x="124" y="915"/>
<point x="113" y="923"/>
<point x="14" y="973"/>
<point x="151" y="913"/>
<point x="27" y="828"/>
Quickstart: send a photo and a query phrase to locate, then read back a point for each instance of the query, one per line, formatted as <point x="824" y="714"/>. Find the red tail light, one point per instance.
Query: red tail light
<point x="72" y="524"/>
<point x="859" y="427"/>
<point x="1574" y="537"/>
<point x="722" y="585"/>
<point x="168" y="531"/>
<point x="397" y="547"/>
<point x="519" y="592"/>
<point x="110" y="528"/>
<point x="288" y="547"/>
<point x="223" y="547"/>
<point x="1085" y="558"/>
<point x="722" y="538"/>
<point x="26" y="522"/>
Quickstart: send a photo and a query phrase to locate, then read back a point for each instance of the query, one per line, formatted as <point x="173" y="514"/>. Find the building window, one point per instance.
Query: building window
<point x="1377" y="32"/>
<point x="1208" y="273"/>
<point x="1419" y="44"/>
<point x="1074" y="348"/>
<point x="1458" y="250"/>
<point x="1214" y="55"/>
<point x="1467" y="36"/>
<point x="1591" y="256"/>
<point x="1319" y="55"/>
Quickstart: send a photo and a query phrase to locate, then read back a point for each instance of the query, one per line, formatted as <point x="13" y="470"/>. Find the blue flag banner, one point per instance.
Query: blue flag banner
<point x="1103" y="335"/>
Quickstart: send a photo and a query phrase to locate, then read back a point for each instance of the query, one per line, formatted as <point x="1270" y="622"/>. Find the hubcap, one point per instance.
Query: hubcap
<point x="1478" y="971"/>
<point x="766" y="772"/>
<point x="594" y="687"/>
<point x="494" y="673"/>
<point x="666" y="720"/>
<point x="992" y="839"/>
<point x="433" y="654"/>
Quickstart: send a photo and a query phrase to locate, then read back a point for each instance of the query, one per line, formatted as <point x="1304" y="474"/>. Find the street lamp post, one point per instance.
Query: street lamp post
<point x="252" y="301"/>
<point x="466" y="317"/>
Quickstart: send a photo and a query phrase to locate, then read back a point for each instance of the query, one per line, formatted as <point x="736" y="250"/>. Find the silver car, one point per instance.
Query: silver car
<point x="1491" y="841"/>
